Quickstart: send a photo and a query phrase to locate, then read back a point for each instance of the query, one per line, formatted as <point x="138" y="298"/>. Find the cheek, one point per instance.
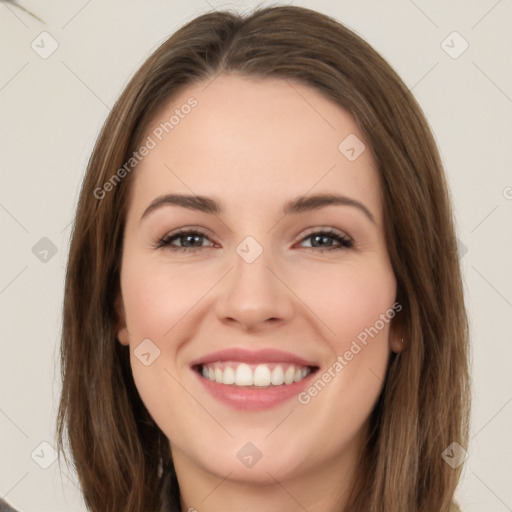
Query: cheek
<point x="160" y="301"/>
<point x="351" y="299"/>
<point x="157" y="298"/>
<point x="357" y="304"/>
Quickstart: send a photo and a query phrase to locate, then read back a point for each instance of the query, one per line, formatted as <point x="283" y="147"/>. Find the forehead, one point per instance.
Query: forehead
<point x="246" y="139"/>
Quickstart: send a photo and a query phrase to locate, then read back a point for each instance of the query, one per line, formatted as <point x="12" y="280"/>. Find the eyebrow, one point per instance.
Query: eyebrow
<point x="300" y="204"/>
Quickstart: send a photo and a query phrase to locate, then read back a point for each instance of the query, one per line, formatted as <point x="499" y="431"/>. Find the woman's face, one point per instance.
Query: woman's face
<point x="282" y="299"/>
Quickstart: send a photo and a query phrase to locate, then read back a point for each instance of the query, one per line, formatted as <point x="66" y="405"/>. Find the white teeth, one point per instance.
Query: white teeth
<point x="277" y="377"/>
<point x="229" y="376"/>
<point x="241" y="374"/>
<point x="261" y="375"/>
<point x="289" y="374"/>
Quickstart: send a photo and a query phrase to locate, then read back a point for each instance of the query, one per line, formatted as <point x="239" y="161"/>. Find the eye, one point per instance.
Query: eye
<point x="189" y="240"/>
<point x="323" y="240"/>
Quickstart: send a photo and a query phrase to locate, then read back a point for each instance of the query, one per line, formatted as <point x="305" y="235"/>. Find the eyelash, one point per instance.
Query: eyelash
<point x="165" y="242"/>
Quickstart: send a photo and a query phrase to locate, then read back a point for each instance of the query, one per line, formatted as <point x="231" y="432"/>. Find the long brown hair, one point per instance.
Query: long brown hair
<point x="119" y="453"/>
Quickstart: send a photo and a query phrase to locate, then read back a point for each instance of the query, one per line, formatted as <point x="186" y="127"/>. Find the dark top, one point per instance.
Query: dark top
<point x="5" y="507"/>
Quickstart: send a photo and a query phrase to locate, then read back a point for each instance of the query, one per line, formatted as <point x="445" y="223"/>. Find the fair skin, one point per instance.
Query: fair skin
<point x="252" y="145"/>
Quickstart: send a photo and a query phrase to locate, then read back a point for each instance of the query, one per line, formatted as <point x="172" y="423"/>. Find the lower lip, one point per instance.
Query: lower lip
<point x="253" y="398"/>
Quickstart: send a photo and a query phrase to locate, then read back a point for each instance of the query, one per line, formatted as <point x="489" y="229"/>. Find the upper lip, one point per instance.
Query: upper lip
<point x="243" y="355"/>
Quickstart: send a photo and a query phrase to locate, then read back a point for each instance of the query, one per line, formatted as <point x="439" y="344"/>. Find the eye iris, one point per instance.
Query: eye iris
<point x="322" y="239"/>
<point x="195" y="240"/>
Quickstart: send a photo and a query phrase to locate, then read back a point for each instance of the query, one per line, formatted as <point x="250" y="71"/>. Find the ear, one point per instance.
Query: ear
<point x="121" y="329"/>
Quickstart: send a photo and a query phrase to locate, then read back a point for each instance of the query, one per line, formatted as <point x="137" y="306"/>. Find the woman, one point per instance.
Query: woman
<point x="263" y="305"/>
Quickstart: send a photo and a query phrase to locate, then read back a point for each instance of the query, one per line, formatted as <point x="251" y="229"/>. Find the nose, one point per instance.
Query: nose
<point x="254" y="295"/>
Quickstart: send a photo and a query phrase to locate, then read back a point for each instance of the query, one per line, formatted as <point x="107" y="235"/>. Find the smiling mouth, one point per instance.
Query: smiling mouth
<point x="263" y="375"/>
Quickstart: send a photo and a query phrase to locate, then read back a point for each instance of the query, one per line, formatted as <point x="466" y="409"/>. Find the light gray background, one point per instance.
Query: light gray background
<point x="52" y="110"/>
